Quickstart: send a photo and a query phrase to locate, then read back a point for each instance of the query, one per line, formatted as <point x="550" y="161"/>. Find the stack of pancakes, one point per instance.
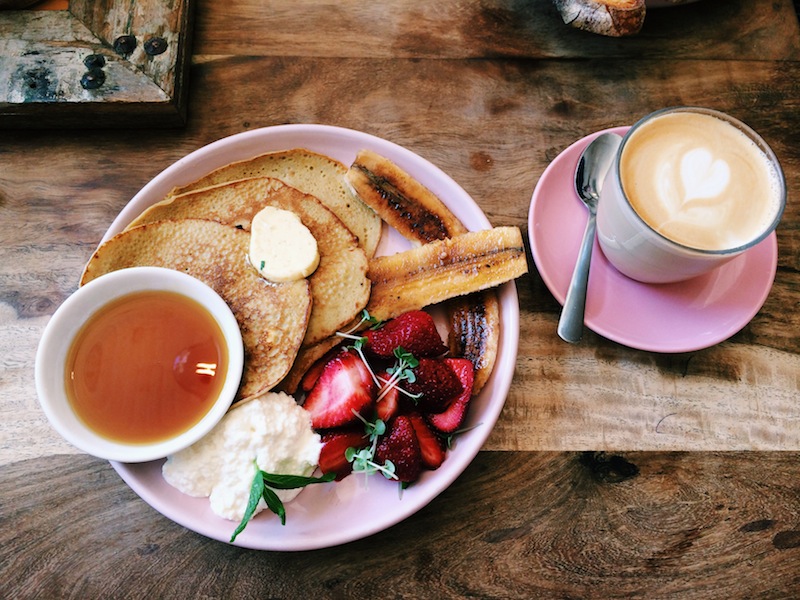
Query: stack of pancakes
<point x="203" y="229"/>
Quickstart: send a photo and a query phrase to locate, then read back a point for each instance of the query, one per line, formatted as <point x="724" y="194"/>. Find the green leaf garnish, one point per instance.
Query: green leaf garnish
<point x="450" y="438"/>
<point x="256" y="492"/>
<point x="372" y="429"/>
<point x="261" y="487"/>
<point x="274" y="504"/>
<point x="364" y="462"/>
<point x="366" y="318"/>
<point x="290" y="482"/>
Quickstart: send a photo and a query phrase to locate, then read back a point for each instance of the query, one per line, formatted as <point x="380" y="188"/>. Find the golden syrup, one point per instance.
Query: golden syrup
<point x="146" y="367"/>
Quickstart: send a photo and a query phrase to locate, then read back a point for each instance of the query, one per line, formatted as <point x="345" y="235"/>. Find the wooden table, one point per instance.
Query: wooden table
<point x="612" y="472"/>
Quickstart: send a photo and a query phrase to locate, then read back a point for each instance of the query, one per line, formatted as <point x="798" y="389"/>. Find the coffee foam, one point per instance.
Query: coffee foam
<point x="700" y="181"/>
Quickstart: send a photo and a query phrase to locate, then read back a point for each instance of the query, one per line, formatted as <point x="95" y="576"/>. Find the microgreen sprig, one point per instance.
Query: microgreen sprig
<point x="364" y="459"/>
<point x="364" y="462"/>
<point x="402" y="370"/>
<point x="263" y="486"/>
<point x="365" y="318"/>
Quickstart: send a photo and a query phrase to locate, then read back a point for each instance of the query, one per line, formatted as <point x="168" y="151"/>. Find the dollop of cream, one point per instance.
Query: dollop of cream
<point x="282" y="249"/>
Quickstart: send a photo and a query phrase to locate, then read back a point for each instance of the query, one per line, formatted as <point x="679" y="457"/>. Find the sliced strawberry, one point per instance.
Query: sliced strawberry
<point x="388" y="402"/>
<point x="311" y="376"/>
<point x="332" y="456"/>
<point x="451" y="419"/>
<point x="414" y="331"/>
<point x="401" y="447"/>
<point x="431" y="447"/>
<point x="314" y="371"/>
<point x="437" y="384"/>
<point x="344" y="388"/>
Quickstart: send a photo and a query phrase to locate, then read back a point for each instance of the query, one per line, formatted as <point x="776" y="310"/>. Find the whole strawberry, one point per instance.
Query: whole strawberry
<point x="414" y="331"/>
<point x="401" y="447"/>
<point x="436" y="384"/>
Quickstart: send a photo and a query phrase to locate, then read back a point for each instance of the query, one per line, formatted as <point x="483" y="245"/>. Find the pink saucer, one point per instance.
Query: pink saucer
<point x="675" y="317"/>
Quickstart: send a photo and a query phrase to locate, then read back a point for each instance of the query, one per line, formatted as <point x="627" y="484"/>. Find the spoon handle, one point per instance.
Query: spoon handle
<point x="570" y="324"/>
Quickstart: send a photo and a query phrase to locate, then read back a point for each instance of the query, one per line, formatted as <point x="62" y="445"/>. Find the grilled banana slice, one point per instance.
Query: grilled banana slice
<point x="474" y="332"/>
<point x="444" y="269"/>
<point x="421" y="217"/>
<point x="400" y="200"/>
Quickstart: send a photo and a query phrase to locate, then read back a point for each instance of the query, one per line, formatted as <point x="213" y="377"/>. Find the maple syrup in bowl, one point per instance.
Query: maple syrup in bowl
<point x="138" y="364"/>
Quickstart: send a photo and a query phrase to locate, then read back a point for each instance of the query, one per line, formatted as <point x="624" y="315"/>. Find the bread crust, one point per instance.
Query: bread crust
<point x="615" y="18"/>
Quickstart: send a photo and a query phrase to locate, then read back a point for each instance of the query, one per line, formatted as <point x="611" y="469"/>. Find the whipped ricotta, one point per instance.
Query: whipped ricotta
<point x="282" y="248"/>
<point x="272" y="430"/>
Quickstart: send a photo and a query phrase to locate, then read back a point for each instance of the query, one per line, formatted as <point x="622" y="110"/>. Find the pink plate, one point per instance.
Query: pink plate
<point x="676" y="317"/>
<point x="334" y="513"/>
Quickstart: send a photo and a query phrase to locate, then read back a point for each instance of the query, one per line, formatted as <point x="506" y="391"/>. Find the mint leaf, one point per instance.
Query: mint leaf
<point x="261" y="488"/>
<point x="256" y="492"/>
<point x="274" y="504"/>
<point x="290" y="482"/>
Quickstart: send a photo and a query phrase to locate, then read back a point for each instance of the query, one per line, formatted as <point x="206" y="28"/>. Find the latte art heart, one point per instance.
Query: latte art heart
<point x="699" y="181"/>
<point x="702" y="175"/>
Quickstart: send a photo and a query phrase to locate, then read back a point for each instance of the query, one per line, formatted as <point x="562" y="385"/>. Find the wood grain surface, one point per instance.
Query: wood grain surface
<point x="611" y="473"/>
<point x="573" y="525"/>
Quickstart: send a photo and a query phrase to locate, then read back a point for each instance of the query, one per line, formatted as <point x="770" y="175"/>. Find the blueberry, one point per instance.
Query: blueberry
<point x="94" y="61"/>
<point x="93" y="79"/>
<point x="155" y="45"/>
<point x="125" y="44"/>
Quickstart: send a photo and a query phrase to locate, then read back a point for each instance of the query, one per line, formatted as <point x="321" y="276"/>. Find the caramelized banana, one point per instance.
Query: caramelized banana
<point x="400" y="200"/>
<point x="420" y="216"/>
<point x="474" y="332"/>
<point x="444" y="269"/>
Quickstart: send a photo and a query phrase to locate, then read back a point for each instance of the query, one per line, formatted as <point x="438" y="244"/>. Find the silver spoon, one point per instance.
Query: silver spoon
<point x="592" y="167"/>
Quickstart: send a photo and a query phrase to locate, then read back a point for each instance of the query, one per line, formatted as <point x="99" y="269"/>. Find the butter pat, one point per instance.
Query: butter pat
<point x="282" y="248"/>
<point x="272" y="430"/>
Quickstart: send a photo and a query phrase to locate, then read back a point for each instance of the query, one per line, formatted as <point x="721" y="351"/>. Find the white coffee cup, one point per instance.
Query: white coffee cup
<point x="690" y="189"/>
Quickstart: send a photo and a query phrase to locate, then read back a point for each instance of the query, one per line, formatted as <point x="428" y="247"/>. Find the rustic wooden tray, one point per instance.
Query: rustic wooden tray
<point x="43" y="56"/>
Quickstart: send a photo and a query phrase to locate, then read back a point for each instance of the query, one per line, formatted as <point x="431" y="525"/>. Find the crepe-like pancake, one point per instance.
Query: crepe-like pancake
<point x="309" y="172"/>
<point x="272" y="317"/>
<point x="339" y="286"/>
